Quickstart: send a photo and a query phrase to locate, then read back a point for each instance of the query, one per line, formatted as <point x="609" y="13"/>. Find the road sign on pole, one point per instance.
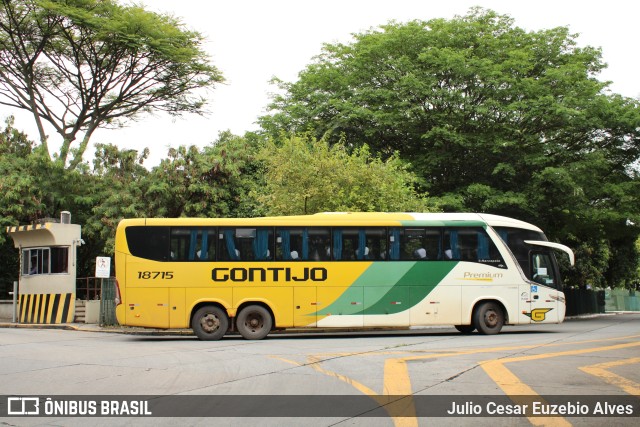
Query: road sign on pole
<point x="103" y="267"/>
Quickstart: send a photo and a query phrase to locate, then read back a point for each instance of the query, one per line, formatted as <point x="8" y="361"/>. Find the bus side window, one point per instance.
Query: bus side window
<point x="471" y="244"/>
<point x="228" y="245"/>
<point x="421" y="244"/>
<point x="303" y="243"/>
<point x="262" y="244"/>
<point x="319" y="243"/>
<point x="149" y="242"/>
<point x="515" y="240"/>
<point x="192" y="244"/>
<point x="372" y="244"/>
<point x="180" y="240"/>
<point x="394" y="243"/>
<point x="245" y="244"/>
<point x="345" y="244"/>
<point x="412" y="245"/>
<point x="543" y="269"/>
<point x="358" y="244"/>
<point x="451" y="245"/>
<point x="289" y="244"/>
<point x="207" y="251"/>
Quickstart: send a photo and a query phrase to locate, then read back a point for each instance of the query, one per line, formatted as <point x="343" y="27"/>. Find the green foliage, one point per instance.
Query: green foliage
<point x="481" y="114"/>
<point x="213" y="182"/>
<point x="121" y="180"/>
<point x="305" y="176"/>
<point x="32" y="188"/>
<point x="466" y="100"/>
<point x="83" y="64"/>
<point x="491" y="117"/>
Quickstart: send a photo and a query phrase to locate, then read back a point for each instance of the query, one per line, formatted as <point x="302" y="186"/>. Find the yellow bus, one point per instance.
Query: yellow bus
<point x="336" y="270"/>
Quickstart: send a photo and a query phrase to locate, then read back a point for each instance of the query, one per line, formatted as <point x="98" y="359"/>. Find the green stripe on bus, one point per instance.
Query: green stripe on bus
<point x="412" y="288"/>
<point x="390" y="287"/>
<point x="378" y="275"/>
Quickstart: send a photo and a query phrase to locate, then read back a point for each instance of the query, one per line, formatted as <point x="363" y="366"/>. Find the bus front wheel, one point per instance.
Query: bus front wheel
<point x="254" y="322"/>
<point x="488" y="318"/>
<point x="210" y="323"/>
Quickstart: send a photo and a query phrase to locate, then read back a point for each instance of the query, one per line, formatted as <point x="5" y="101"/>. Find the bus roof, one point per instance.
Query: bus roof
<point x="345" y="219"/>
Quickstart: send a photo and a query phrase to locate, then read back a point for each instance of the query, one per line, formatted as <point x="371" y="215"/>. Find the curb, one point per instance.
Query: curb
<point x="97" y="328"/>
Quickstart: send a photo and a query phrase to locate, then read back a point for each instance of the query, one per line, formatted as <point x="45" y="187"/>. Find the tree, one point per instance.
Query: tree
<point x="34" y="188"/>
<point x="15" y="199"/>
<point x="213" y="182"/>
<point x="121" y="185"/>
<point x="492" y="118"/>
<point x="305" y="176"/>
<point x="474" y="90"/>
<point x="83" y="64"/>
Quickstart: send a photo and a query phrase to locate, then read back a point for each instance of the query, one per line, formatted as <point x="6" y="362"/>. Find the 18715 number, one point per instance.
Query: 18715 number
<point x="155" y="275"/>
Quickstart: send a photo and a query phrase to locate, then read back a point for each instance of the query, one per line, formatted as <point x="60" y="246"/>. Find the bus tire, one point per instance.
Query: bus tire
<point x="210" y="323"/>
<point x="465" y="329"/>
<point x="254" y="322"/>
<point x="488" y="318"/>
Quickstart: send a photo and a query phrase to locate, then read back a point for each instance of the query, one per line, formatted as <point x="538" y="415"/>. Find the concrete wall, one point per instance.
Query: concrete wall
<point x="6" y="311"/>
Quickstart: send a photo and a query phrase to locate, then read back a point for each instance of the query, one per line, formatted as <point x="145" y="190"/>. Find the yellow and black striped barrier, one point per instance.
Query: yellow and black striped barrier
<point x="31" y="227"/>
<point x="47" y="308"/>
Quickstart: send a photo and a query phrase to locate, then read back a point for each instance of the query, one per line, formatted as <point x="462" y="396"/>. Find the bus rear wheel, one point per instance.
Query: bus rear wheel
<point x="488" y="318"/>
<point x="254" y="322"/>
<point x="210" y="323"/>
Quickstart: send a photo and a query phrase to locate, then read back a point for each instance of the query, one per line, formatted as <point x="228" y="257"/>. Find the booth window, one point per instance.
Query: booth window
<point x="45" y="261"/>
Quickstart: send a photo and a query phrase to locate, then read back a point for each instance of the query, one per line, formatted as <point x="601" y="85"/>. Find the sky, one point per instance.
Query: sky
<point x="251" y="41"/>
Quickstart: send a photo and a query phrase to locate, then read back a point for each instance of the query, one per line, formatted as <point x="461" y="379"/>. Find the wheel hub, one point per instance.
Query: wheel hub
<point x="491" y="318"/>
<point x="254" y="322"/>
<point x="210" y="323"/>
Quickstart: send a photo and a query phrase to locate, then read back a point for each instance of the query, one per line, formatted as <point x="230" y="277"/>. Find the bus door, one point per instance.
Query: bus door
<point x="548" y="301"/>
<point x="545" y="289"/>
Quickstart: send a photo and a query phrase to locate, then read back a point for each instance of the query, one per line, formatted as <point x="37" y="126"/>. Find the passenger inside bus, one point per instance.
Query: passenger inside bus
<point x="420" y="253"/>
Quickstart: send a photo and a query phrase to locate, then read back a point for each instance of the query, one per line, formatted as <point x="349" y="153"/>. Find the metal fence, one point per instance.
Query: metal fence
<point x="95" y="288"/>
<point x="107" y="302"/>
<point x="88" y="288"/>
<point x="621" y="300"/>
<point x="587" y="301"/>
<point x="584" y="301"/>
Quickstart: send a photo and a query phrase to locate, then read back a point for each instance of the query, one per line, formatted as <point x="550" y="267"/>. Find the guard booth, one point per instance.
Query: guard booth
<point x="47" y="285"/>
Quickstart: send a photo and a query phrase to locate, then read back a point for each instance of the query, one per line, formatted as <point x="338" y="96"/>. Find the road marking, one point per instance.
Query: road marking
<point x="397" y="380"/>
<point x="600" y="370"/>
<point x="391" y="407"/>
<point x="512" y="386"/>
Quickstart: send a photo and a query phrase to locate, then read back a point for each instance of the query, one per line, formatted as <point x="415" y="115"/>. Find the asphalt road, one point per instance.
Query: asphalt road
<point x="582" y="360"/>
